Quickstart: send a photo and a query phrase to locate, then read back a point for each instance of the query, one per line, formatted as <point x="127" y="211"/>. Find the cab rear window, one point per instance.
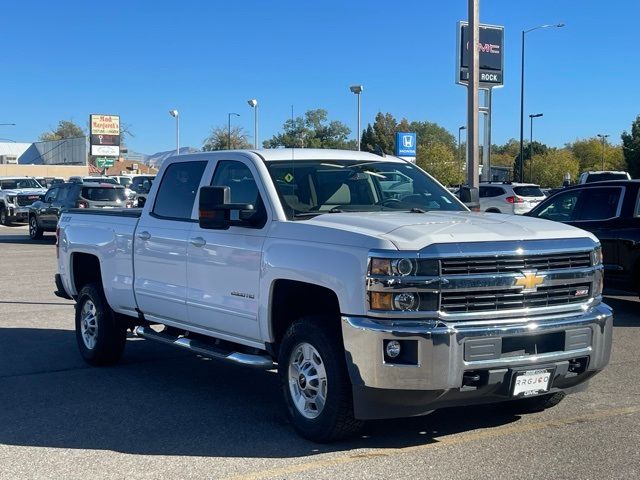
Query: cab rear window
<point x="528" y="191"/>
<point x="101" y="194"/>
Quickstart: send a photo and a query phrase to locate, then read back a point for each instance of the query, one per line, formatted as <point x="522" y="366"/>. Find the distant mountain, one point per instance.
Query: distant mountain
<point x="156" y="159"/>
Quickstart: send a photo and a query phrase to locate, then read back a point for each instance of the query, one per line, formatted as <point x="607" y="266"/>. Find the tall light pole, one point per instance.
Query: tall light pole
<point x="531" y="117"/>
<point x="7" y="124"/>
<point x="463" y="127"/>
<point x="357" y="89"/>
<point x="176" y="115"/>
<point x="556" y="25"/>
<point x="603" y="137"/>
<point x="229" y="129"/>
<point x="253" y="103"/>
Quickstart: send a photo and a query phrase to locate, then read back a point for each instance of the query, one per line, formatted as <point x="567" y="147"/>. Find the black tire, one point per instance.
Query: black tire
<point x="35" y="232"/>
<point x="538" y="403"/>
<point x="335" y="419"/>
<point x="110" y="335"/>
<point x="4" y="217"/>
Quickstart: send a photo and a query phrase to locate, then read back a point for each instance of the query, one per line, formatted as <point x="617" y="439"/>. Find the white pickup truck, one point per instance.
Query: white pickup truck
<point x="374" y="290"/>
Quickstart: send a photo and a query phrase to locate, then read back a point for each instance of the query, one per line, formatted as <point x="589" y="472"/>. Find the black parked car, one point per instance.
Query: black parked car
<point x="44" y="214"/>
<point x="611" y="211"/>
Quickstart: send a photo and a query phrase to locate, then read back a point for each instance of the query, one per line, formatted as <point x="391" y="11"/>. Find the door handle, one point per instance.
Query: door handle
<point x="144" y="235"/>
<point x="198" y="242"/>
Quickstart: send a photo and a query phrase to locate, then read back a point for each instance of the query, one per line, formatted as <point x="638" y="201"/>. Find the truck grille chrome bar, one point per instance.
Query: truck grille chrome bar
<point x="470" y="266"/>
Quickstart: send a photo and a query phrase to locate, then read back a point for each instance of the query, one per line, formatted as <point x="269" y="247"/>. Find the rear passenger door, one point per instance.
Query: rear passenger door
<point x="48" y="218"/>
<point x="224" y="265"/>
<point x="160" y="244"/>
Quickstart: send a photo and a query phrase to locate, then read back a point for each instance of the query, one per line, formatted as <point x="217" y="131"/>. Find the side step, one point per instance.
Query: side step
<point x="201" y="348"/>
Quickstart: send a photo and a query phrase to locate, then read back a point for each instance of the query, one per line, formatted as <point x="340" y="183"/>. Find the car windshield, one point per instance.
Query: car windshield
<point x="102" y="194"/>
<point x="141" y="184"/>
<point x="528" y="191"/>
<point x="314" y="187"/>
<point x="19" y="183"/>
<point x="601" y="177"/>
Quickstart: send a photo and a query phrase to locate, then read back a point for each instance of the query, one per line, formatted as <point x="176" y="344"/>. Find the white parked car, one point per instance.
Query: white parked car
<point x="513" y="198"/>
<point x="601" y="176"/>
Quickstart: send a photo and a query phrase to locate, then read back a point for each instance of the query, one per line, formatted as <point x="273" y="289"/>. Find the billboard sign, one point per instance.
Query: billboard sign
<point x="104" y="131"/>
<point x="491" y="58"/>
<point x="406" y="144"/>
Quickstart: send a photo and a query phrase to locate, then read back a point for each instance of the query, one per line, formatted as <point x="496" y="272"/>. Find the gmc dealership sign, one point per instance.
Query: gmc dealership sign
<point x="491" y="50"/>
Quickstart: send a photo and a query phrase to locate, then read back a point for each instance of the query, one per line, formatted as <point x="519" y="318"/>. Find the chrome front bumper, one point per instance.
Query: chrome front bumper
<point x="442" y="358"/>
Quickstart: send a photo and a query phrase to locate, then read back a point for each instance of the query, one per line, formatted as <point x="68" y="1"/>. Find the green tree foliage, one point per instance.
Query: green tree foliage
<point x="589" y="154"/>
<point x="533" y="149"/>
<point x="65" y="129"/>
<point x="549" y="168"/>
<point x="218" y="139"/>
<point x="439" y="160"/>
<point x="631" y="148"/>
<point x="314" y="130"/>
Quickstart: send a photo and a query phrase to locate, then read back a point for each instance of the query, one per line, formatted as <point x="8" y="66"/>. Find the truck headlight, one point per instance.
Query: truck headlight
<point x="403" y="301"/>
<point x="11" y="199"/>
<point x="403" y="267"/>
<point x="596" y="256"/>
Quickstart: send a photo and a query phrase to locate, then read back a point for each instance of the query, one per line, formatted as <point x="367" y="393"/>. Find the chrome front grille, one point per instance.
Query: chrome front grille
<point x="514" y="263"/>
<point x="509" y="299"/>
<point x="26" y="200"/>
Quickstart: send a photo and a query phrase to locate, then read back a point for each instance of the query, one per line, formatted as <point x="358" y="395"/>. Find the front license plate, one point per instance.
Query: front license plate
<point x="531" y="382"/>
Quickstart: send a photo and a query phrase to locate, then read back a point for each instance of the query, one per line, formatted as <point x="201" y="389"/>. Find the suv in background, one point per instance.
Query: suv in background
<point x="513" y="198"/>
<point x="44" y="214"/>
<point x="16" y="194"/>
<point x="601" y="176"/>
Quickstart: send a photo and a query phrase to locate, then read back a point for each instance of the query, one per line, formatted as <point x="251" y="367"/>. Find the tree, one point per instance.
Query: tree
<point x="438" y="160"/>
<point x="381" y="135"/>
<point x="631" y="148"/>
<point x="65" y="129"/>
<point x="313" y="130"/>
<point x="530" y="150"/>
<point x="218" y="139"/>
<point x="550" y="168"/>
<point x="589" y="153"/>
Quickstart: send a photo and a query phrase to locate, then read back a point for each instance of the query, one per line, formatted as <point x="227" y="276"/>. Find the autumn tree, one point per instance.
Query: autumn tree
<point x="549" y="168"/>
<point x="590" y="152"/>
<point x="314" y="130"/>
<point x="631" y="148"/>
<point x="438" y="160"/>
<point x="65" y="129"/>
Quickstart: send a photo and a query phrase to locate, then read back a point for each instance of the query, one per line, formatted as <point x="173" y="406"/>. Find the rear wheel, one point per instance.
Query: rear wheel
<point x="100" y="337"/>
<point x="315" y="382"/>
<point x="35" y="232"/>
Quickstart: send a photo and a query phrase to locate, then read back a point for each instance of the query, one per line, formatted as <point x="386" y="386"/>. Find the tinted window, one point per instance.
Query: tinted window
<point x="243" y="187"/>
<point x="598" y="203"/>
<point x="141" y="184"/>
<point x="560" y="207"/>
<point x="600" y="177"/>
<point x="178" y="190"/>
<point x="19" y="183"/>
<point x="62" y="194"/>
<point x="528" y="191"/>
<point x="51" y="195"/>
<point x="111" y="181"/>
<point x="101" y="194"/>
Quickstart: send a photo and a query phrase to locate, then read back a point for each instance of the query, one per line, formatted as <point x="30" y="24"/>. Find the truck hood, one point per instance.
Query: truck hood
<point x="25" y="191"/>
<point x="414" y="231"/>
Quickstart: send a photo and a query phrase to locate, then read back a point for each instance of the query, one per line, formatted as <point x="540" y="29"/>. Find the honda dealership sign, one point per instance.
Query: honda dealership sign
<point x="491" y="49"/>
<point x="406" y="144"/>
<point x="105" y="135"/>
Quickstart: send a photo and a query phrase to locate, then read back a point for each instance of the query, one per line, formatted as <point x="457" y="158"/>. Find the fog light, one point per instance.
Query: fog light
<point x="405" y="301"/>
<point x="393" y="349"/>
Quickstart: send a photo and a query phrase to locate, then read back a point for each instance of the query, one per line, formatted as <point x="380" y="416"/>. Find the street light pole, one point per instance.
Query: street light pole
<point x="531" y="117"/>
<point x="176" y="115"/>
<point x="521" y="162"/>
<point x="357" y="89"/>
<point x="459" y="145"/>
<point x="254" y="104"/>
<point x="603" y="137"/>
<point x="229" y="129"/>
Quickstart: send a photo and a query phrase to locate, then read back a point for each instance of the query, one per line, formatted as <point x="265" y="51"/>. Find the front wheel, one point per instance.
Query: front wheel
<point x="4" y="217"/>
<point x="100" y="337"/>
<point x="315" y="381"/>
<point x="35" y="232"/>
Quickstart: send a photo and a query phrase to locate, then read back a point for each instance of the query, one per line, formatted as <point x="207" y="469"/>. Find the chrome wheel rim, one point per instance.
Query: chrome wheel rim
<point x="89" y="324"/>
<point x="307" y="380"/>
<point x="33" y="227"/>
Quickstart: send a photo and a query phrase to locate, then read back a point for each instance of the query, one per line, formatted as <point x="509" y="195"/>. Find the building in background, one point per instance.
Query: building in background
<point x="10" y="152"/>
<point x="69" y="151"/>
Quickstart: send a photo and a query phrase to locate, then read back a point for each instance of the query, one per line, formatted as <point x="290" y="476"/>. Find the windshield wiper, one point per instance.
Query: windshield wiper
<point x="313" y="214"/>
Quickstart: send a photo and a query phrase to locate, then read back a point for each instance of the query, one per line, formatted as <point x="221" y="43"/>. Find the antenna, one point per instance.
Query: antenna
<point x="293" y="163"/>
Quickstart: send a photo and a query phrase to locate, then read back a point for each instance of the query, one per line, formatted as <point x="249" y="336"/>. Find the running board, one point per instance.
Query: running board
<point x="200" y="348"/>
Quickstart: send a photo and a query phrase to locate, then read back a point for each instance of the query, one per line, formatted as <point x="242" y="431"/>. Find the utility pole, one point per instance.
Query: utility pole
<point x="603" y="137"/>
<point x="472" y="97"/>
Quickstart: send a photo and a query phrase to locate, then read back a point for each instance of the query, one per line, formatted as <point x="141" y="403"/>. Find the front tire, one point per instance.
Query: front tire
<point x="315" y="382"/>
<point x="35" y="232"/>
<point x="4" y="217"/>
<point x="100" y="337"/>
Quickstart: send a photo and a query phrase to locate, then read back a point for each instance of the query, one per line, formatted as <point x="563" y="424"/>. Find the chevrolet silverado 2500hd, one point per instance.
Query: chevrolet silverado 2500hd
<point x="373" y="289"/>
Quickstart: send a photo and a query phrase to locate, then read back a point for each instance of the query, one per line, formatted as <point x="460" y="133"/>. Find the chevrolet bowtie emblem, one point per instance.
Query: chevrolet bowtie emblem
<point x="529" y="281"/>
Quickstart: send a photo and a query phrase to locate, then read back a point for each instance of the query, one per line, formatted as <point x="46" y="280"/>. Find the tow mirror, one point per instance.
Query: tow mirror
<point x="218" y="213"/>
<point x="470" y="197"/>
<point x="141" y="202"/>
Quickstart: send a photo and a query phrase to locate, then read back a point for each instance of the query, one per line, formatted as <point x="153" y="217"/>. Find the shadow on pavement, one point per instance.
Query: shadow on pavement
<point x="624" y="310"/>
<point x="160" y="401"/>
<point x="47" y="239"/>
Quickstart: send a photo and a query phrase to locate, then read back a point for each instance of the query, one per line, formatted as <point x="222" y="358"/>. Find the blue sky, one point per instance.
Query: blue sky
<point x="67" y="59"/>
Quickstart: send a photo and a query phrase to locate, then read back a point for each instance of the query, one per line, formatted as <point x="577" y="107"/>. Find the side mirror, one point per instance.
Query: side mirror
<point x="470" y="197"/>
<point x="141" y="202"/>
<point x="216" y="212"/>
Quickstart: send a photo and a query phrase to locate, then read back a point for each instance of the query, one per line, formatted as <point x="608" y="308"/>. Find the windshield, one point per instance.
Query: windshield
<point x="601" y="177"/>
<point x="19" y="183"/>
<point x="528" y="191"/>
<point x="313" y="187"/>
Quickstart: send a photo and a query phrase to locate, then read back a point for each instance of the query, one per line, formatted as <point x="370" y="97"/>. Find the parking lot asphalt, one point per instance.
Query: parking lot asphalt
<point x="163" y="413"/>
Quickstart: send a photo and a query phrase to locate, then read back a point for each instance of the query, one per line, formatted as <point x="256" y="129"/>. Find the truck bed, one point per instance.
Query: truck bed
<point x="110" y="212"/>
